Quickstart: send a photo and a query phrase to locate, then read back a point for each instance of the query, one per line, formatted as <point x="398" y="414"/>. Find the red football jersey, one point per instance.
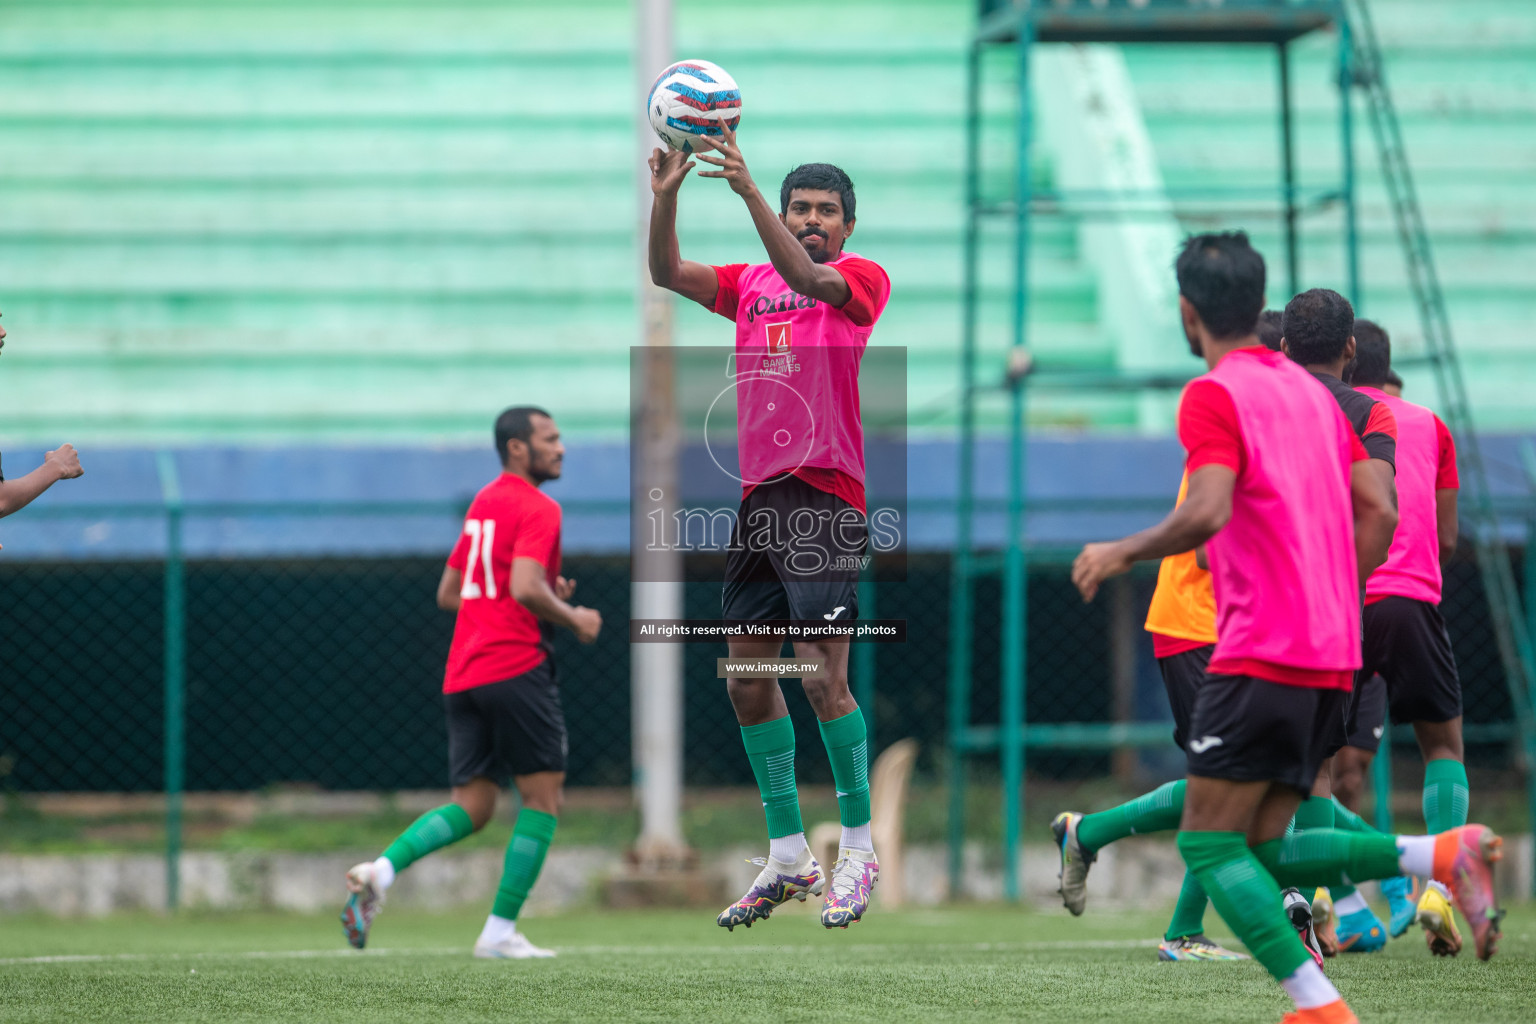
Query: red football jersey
<point x="496" y="638"/>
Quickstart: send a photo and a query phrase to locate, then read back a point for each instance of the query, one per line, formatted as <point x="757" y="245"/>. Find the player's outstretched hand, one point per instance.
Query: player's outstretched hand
<point x="668" y="169"/>
<point x="588" y="622"/>
<point x="1097" y="563"/>
<point x="733" y="166"/>
<point x="66" y="460"/>
<point x="564" y="588"/>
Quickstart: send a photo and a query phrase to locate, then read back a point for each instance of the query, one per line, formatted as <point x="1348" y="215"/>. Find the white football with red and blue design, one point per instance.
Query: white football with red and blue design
<point x="691" y="98"/>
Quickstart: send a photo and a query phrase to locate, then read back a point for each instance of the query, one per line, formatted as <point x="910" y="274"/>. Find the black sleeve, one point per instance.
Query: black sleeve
<point x="1381" y="446"/>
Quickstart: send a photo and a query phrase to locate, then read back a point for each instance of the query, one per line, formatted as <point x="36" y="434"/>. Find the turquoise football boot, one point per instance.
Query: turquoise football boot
<point x="1400" y="901"/>
<point x="1361" y="932"/>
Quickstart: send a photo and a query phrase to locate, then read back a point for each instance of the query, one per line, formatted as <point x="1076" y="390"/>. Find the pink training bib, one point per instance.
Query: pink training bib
<point x="1412" y="568"/>
<point x="1283" y="568"/>
<point x="797" y="372"/>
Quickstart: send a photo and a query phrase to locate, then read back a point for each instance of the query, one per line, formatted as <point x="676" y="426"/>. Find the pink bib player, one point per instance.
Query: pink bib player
<point x="1412" y="568"/>
<point x="797" y="373"/>
<point x="1283" y="567"/>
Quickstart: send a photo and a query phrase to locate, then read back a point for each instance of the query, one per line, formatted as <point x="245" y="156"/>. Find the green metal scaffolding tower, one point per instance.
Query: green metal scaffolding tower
<point x="1274" y="23"/>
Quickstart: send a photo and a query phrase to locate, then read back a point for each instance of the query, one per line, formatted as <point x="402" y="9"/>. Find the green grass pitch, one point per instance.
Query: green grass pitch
<point x="950" y="964"/>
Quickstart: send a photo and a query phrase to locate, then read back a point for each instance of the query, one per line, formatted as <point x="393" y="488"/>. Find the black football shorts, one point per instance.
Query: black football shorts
<point x="1183" y="675"/>
<point x="1252" y="730"/>
<point x="1370" y="713"/>
<point x="796" y="552"/>
<point x="1407" y="644"/>
<point x="500" y="730"/>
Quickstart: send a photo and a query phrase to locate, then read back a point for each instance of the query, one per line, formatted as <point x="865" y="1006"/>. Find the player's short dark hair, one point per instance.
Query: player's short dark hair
<point x="516" y="424"/>
<point x="1318" y="324"/>
<point x="1271" y="328"/>
<point x="1373" y="355"/>
<point x="1394" y="380"/>
<point x="823" y="178"/>
<point x="1222" y="276"/>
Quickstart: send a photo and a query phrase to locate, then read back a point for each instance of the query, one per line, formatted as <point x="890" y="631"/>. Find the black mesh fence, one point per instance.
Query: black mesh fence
<point x="326" y="672"/>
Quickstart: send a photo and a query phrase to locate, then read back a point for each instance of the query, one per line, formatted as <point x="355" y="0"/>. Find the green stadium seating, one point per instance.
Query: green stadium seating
<point x="363" y="220"/>
<point x="1463" y="76"/>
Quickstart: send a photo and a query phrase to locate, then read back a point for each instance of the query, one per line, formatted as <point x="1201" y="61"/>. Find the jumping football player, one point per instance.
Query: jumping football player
<point x="1278" y="493"/>
<point x="500" y="689"/>
<point x="802" y="319"/>
<point x="1405" y="637"/>
<point x="63" y="463"/>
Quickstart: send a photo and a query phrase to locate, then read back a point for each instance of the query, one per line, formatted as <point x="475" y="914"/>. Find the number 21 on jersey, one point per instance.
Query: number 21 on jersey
<point x="482" y="537"/>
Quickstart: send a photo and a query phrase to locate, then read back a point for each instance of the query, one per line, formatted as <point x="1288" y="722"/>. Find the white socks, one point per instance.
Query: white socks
<point x="383" y="874"/>
<point x="1309" y="987"/>
<point x="1350" y="904"/>
<point x="786" y="849"/>
<point x="856" y="837"/>
<point x="496" y="930"/>
<point x="1416" y="855"/>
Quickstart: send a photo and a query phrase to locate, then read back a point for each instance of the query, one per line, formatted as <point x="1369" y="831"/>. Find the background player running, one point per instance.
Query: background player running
<point x="812" y="306"/>
<point x="1405" y="637"/>
<point x="1322" y="321"/>
<point x="500" y="689"/>
<point x="1319" y="333"/>
<point x="1277" y="489"/>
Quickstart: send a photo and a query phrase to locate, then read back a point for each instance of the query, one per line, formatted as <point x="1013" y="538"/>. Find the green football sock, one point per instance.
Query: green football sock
<point x="1189" y="911"/>
<point x="1349" y="821"/>
<point x="1246" y="897"/>
<point x="848" y="749"/>
<point x="771" y="750"/>
<point x="434" y="830"/>
<point x="1157" y="811"/>
<point x="1327" y="856"/>
<point x="1315" y="812"/>
<point x="531" y="837"/>
<point x="1446" y="795"/>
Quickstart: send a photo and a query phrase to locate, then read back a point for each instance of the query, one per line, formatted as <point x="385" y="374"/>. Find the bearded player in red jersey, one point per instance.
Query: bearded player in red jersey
<point x="500" y="689"/>
<point x="803" y="320"/>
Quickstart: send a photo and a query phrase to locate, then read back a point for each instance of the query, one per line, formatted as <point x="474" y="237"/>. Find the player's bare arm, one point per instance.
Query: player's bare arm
<point x="1446" y="523"/>
<point x="449" y="588"/>
<point x="531" y="589"/>
<point x="669" y="270"/>
<point x="788" y="256"/>
<point x="63" y="463"/>
<point x="1204" y="511"/>
<point x="1386" y="475"/>
<point x="1375" y="517"/>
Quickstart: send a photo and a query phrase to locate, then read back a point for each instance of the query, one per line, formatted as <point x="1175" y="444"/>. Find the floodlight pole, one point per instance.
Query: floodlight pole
<point x="1288" y="168"/>
<point x="656" y="592"/>
<point x="175" y="671"/>
<point x="1015" y="557"/>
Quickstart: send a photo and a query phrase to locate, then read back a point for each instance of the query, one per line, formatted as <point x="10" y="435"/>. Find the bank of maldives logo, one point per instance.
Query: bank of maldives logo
<point x="778" y="338"/>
